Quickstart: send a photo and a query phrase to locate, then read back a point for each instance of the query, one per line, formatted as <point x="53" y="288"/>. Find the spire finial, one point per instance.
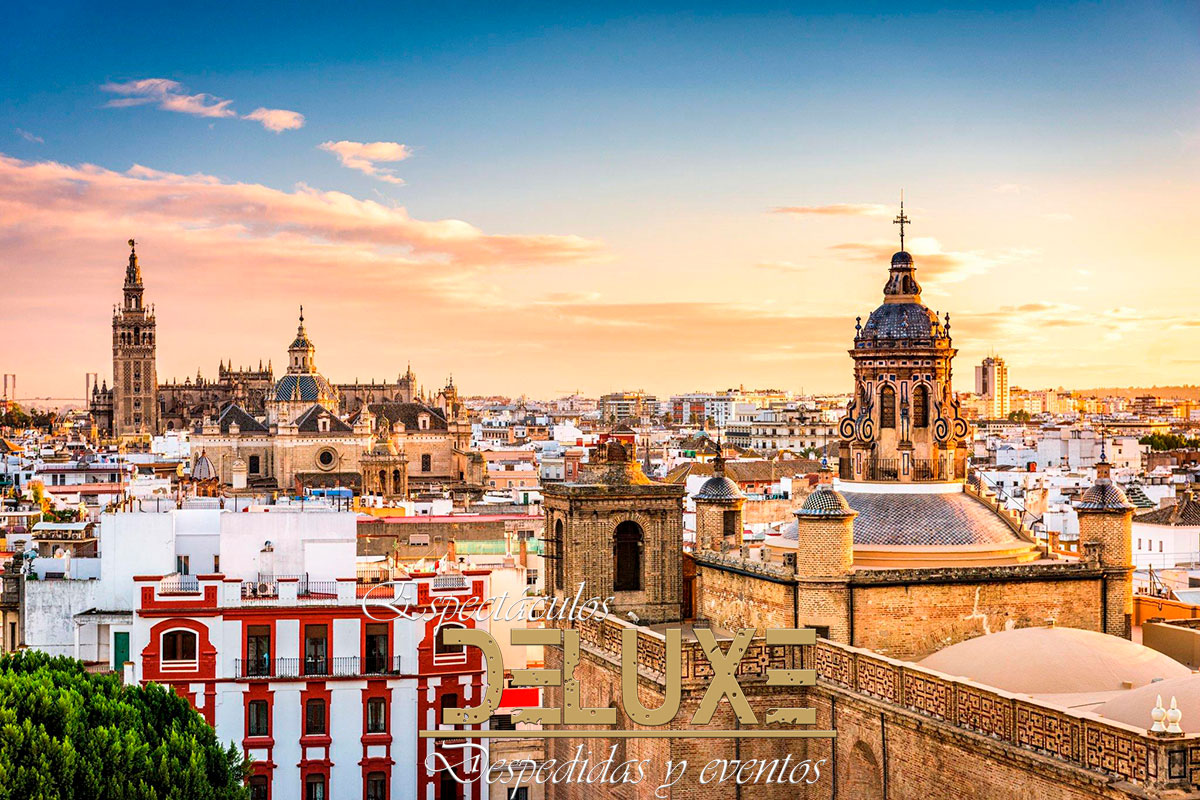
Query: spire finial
<point x="901" y="220"/>
<point x="132" y="244"/>
<point x="302" y="313"/>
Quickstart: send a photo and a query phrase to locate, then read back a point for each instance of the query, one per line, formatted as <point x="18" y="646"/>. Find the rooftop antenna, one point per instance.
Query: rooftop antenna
<point x="901" y="220"/>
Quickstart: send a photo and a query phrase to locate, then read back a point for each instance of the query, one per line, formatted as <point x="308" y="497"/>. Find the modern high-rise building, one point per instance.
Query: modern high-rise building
<point x="991" y="384"/>
<point x="135" y="377"/>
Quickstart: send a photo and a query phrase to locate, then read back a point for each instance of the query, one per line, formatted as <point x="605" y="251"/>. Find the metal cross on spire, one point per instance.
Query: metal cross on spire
<point x="902" y="220"/>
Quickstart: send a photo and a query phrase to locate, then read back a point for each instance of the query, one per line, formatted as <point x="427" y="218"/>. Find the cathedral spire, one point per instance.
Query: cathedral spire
<point x="133" y="280"/>
<point x="901" y="220"/>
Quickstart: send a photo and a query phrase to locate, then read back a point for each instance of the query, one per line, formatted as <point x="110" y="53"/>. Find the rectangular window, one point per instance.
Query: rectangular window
<point x="259" y="788"/>
<point x="258" y="723"/>
<point x="181" y="564"/>
<point x="314" y="787"/>
<point x="258" y="650"/>
<point x="375" y="659"/>
<point x="426" y="462"/>
<point x="376" y="715"/>
<point x="376" y="786"/>
<point x="217" y="564"/>
<point x="314" y="717"/>
<point x="316" y="650"/>
<point x="502" y="722"/>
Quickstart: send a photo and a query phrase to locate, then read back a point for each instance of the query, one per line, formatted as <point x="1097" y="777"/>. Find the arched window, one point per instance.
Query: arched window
<point x="627" y="557"/>
<point x="441" y="649"/>
<point x="178" y="649"/>
<point x="887" y="407"/>
<point x="397" y="482"/>
<point x="920" y="414"/>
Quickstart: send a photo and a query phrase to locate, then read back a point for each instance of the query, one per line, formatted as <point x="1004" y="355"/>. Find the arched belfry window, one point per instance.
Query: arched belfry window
<point x="887" y="407"/>
<point x="920" y="414"/>
<point x="627" y="557"/>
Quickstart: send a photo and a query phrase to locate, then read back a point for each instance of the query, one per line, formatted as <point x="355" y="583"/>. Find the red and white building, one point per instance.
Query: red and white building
<point x="325" y="698"/>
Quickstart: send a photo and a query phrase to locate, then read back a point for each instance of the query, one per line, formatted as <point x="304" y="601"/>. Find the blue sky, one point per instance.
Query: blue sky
<point x="1047" y="152"/>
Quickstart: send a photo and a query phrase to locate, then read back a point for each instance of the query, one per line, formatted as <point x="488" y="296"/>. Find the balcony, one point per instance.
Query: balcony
<point x="336" y="667"/>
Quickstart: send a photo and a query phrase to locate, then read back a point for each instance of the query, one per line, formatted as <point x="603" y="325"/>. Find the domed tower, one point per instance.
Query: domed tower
<point x="302" y="386"/>
<point x="904" y="422"/>
<point x="1105" y="540"/>
<point x="719" y="512"/>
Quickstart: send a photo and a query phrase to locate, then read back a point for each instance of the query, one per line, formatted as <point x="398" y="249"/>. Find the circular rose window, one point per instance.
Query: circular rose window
<point x="326" y="459"/>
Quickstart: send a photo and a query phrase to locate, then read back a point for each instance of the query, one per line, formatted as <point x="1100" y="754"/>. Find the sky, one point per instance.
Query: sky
<point x="540" y="199"/>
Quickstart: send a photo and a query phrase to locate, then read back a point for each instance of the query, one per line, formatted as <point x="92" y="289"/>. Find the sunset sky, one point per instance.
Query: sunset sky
<point x="547" y="198"/>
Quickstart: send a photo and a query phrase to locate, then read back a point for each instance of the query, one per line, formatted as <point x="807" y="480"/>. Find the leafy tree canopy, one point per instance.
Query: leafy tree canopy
<point x="1169" y="441"/>
<point x="67" y="734"/>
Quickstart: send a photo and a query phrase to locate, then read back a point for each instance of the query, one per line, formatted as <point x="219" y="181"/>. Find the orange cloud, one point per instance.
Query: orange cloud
<point x="365" y="157"/>
<point x="277" y="119"/>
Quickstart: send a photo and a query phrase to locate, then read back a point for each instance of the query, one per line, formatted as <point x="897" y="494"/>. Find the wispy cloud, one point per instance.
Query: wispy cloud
<point x="277" y="119"/>
<point x="29" y="137"/>
<point x="171" y="95"/>
<point x="837" y="209"/>
<point x="366" y="157"/>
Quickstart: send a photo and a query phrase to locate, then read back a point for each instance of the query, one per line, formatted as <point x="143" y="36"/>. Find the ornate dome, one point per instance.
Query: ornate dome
<point x="203" y="469"/>
<point x="1054" y="661"/>
<point x="1104" y="495"/>
<point x="719" y="487"/>
<point x="311" y="387"/>
<point x="902" y="321"/>
<point x="825" y="501"/>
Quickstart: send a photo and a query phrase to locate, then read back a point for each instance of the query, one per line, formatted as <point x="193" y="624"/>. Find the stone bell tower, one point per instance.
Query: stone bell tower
<point x="1105" y="540"/>
<point x="617" y="533"/>
<point x="135" y="376"/>
<point x="903" y="423"/>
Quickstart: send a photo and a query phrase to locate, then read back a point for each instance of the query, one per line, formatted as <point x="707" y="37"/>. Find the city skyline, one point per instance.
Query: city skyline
<point x="705" y="201"/>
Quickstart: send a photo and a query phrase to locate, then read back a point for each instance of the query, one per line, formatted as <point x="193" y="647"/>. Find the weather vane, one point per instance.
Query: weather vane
<point x="902" y="220"/>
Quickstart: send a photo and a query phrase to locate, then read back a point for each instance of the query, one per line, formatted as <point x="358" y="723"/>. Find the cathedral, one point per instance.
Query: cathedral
<point x="954" y="654"/>
<point x="295" y="432"/>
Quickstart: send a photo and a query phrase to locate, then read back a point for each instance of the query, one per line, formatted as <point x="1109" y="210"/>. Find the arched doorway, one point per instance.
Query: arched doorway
<point x="627" y="557"/>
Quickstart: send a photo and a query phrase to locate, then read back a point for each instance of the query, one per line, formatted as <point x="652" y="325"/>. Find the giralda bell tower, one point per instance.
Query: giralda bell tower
<point x="135" y="378"/>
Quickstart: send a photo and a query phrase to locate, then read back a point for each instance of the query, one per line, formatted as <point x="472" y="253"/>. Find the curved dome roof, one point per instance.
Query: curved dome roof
<point x="902" y="321"/>
<point x="1133" y="707"/>
<point x="719" y="487"/>
<point x="203" y="469"/>
<point x="1104" y="495"/>
<point x="311" y="387"/>
<point x="1054" y="661"/>
<point x="825" y="501"/>
<point x="929" y="520"/>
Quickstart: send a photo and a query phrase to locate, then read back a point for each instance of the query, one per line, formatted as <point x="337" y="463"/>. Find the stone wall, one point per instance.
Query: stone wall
<point x="736" y="594"/>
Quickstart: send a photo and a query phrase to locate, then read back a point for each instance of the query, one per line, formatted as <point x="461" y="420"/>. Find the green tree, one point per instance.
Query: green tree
<point x="67" y="734"/>
<point x="1168" y="441"/>
<point x="1020" y="415"/>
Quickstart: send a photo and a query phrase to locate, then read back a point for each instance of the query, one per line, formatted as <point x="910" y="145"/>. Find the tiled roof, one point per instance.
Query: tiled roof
<point x="825" y="501"/>
<point x="901" y="321"/>
<point x="309" y="421"/>
<point x="307" y="386"/>
<point x="922" y="519"/>
<point x="718" y="487"/>
<point x="235" y="414"/>
<point x="1104" y="495"/>
<point x="408" y="413"/>
<point x="747" y="471"/>
<point x="1184" y="513"/>
<point x="1138" y="496"/>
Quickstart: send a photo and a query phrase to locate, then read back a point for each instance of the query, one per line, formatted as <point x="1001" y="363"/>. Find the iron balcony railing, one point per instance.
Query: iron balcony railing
<point x="335" y="667"/>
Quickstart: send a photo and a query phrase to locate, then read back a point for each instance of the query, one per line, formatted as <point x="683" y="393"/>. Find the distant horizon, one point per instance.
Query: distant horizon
<point x="555" y="197"/>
